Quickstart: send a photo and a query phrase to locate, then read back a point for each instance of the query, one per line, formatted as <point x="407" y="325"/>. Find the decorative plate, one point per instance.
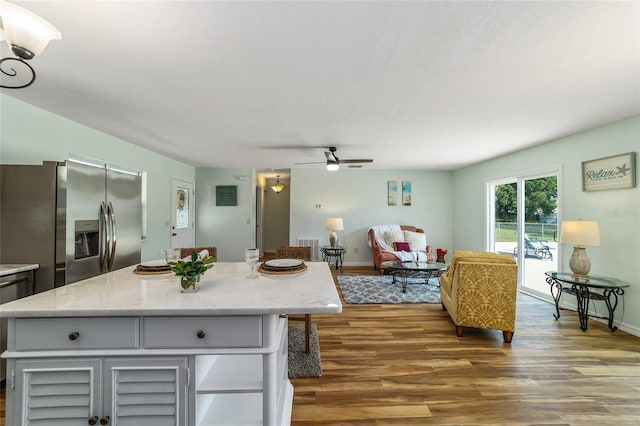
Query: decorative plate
<point x="284" y="263"/>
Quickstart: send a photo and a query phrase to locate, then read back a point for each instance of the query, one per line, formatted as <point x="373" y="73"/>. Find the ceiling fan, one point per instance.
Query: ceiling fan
<point x="333" y="162"/>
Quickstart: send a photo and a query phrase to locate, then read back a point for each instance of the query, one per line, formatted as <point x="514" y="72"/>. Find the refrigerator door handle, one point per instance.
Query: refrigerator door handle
<point x="104" y="237"/>
<point x="114" y="228"/>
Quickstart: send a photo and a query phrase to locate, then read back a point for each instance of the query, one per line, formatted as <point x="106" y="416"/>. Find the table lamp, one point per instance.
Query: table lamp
<point x="580" y="233"/>
<point x="334" y="224"/>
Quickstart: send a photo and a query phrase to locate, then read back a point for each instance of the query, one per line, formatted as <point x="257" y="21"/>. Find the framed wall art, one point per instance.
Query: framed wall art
<point x="617" y="171"/>
<point x="226" y="195"/>
<point x="392" y="193"/>
<point x="406" y="193"/>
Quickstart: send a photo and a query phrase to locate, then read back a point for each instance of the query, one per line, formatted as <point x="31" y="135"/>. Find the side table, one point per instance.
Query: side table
<point x="582" y="288"/>
<point x="333" y="254"/>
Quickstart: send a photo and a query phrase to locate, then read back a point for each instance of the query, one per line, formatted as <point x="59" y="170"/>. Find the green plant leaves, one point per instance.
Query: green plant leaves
<point x="193" y="267"/>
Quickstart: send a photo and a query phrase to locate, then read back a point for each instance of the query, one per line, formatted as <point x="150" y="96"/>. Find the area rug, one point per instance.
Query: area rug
<point x="381" y="289"/>
<point x="302" y="364"/>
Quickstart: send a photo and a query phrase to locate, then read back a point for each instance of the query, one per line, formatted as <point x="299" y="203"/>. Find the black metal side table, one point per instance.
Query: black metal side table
<point x="333" y="254"/>
<point x="582" y="288"/>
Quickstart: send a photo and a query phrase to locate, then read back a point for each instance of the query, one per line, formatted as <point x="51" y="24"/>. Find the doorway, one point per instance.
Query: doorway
<point x="273" y="208"/>
<point x="182" y="213"/>
<point x="523" y="223"/>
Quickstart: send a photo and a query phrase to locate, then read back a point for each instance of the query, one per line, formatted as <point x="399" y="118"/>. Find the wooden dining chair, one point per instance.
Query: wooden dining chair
<point x="186" y="251"/>
<point x="303" y="253"/>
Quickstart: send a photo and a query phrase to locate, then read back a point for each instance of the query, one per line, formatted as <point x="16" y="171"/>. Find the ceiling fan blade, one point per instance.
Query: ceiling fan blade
<point x="314" y="162"/>
<point x="353" y="161"/>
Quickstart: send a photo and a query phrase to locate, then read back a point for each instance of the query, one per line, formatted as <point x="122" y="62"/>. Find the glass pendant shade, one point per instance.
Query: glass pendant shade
<point x="24" y="30"/>
<point x="278" y="187"/>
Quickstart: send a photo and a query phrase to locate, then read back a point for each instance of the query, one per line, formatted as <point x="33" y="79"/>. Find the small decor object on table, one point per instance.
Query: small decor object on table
<point x="441" y="252"/>
<point x="190" y="271"/>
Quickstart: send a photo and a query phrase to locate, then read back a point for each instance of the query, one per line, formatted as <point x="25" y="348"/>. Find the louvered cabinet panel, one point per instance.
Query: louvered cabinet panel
<point x="146" y="391"/>
<point x="58" y="393"/>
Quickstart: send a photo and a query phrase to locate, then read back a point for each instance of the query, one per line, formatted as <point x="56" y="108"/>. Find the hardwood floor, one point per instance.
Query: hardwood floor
<point x="403" y="364"/>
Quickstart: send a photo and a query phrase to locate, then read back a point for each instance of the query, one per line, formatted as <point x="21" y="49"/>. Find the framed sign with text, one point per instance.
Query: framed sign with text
<point x="617" y="171"/>
<point x="226" y="195"/>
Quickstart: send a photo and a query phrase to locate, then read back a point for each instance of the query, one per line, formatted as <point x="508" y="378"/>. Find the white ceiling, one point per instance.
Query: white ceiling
<point x="412" y="85"/>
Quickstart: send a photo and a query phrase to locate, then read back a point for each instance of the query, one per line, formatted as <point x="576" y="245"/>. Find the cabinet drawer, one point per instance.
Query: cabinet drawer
<point x="202" y="332"/>
<point x="33" y="334"/>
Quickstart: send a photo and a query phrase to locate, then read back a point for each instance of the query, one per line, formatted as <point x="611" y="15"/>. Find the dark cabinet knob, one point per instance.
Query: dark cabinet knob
<point x="104" y="420"/>
<point x="93" y="420"/>
<point x="74" y="336"/>
<point x="201" y="334"/>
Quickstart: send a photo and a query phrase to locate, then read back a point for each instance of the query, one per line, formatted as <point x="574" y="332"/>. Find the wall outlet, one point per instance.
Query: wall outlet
<point x="355" y="250"/>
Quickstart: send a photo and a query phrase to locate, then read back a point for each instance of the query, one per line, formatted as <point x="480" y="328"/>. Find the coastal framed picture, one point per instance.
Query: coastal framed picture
<point x="392" y="193"/>
<point x="617" y="171"/>
<point x="406" y="193"/>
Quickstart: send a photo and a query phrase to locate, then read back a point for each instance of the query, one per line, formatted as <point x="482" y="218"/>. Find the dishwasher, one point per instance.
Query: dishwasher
<point x="12" y="287"/>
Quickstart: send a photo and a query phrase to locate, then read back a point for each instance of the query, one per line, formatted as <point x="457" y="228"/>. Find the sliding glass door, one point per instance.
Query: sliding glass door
<point x="523" y="223"/>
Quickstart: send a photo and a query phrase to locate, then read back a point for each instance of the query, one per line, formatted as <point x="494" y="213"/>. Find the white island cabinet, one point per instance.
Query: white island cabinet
<point x="124" y="349"/>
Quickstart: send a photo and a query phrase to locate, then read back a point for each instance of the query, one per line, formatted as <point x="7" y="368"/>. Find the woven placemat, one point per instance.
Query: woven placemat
<point x="297" y="270"/>
<point x="139" y="271"/>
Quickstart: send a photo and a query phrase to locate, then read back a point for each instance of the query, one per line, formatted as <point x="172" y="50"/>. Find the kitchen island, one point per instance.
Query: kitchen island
<point x="126" y="349"/>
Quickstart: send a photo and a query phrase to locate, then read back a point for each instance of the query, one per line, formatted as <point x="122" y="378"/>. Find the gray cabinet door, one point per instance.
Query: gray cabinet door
<point x="146" y="391"/>
<point x="57" y="393"/>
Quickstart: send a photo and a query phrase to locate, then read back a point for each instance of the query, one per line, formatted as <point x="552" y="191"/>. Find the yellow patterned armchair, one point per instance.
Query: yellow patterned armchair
<point x="479" y="290"/>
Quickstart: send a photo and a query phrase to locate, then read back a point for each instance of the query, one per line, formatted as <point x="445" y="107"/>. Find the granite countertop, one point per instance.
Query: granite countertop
<point x="14" y="268"/>
<point x="224" y="290"/>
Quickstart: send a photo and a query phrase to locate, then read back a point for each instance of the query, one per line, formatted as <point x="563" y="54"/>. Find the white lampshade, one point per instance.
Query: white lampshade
<point x="25" y="29"/>
<point x="580" y="233"/>
<point x="335" y="224"/>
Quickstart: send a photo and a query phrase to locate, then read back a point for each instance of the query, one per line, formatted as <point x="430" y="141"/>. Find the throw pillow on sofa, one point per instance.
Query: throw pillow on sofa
<point x="390" y="237"/>
<point x="417" y="240"/>
<point x="402" y="246"/>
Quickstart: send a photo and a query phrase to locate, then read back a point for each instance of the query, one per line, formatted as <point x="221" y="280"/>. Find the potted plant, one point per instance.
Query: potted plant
<point x="190" y="270"/>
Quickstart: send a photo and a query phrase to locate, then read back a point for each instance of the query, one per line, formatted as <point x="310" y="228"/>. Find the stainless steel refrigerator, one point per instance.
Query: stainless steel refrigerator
<point x="75" y="219"/>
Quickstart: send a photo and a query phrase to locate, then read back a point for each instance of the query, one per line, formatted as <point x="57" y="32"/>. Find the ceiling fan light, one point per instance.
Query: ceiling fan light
<point x="332" y="166"/>
<point x="26" y="33"/>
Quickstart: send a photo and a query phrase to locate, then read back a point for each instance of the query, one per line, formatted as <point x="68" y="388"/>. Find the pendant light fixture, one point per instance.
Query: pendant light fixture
<point x="27" y="35"/>
<point x="278" y="187"/>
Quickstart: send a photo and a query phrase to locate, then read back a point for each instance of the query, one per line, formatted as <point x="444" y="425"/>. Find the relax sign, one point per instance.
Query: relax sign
<point x="609" y="173"/>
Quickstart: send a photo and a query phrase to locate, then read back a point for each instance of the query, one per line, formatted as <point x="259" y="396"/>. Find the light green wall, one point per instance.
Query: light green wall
<point x="617" y="211"/>
<point x="29" y="135"/>
<point x="450" y="206"/>
<point x="229" y="228"/>
<point x="360" y="198"/>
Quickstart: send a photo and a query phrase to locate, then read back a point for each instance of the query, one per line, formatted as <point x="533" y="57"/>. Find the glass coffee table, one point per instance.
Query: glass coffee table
<point x="412" y="269"/>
